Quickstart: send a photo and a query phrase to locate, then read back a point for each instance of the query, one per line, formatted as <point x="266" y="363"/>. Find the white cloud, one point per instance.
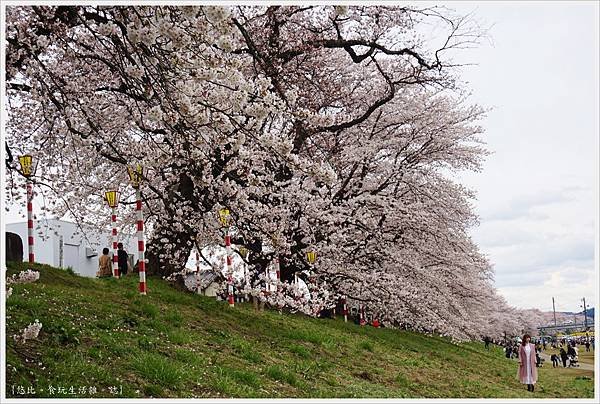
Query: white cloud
<point x="568" y="286"/>
<point x="537" y="191"/>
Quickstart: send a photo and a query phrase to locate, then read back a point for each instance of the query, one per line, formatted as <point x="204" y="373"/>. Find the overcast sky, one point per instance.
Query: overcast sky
<point x="537" y="194"/>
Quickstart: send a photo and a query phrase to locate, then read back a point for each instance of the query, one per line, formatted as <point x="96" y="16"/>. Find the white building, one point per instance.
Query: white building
<point x="62" y="244"/>
<point x="210" y="281"/>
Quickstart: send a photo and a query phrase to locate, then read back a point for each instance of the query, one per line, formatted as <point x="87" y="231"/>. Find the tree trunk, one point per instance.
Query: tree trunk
<point x="169" y="263"/>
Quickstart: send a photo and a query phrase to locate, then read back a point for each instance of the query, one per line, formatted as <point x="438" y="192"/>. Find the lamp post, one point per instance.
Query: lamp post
<point x="198" y="289"/>
<point x="361" y="313"/>
<point x="135" y="177"/>
<point x="112" y="198"/>
<point x="197" y="260"/>
<point x="277" y="272"/>
<point x="311" y="257"/>
<point x="27" y="169"/>
<point x="225" y="219"/>
<point x="585" y="314"/>
<point x="276" y="267"/>
<point x="244" y="254"/>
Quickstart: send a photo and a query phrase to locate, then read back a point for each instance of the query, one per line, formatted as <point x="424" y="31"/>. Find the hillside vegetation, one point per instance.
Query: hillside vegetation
<point x="103" y="334"/>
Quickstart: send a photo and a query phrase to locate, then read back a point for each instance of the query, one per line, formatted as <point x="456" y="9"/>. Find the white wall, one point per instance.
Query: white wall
<point x="211" y="290"/>
<point x="43" y="249"/>
<point x="46" y="241"/>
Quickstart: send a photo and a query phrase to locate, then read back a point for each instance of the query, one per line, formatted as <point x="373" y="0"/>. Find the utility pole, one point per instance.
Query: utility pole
<point x="554" y="311"/>
<point x="584" y="314"/>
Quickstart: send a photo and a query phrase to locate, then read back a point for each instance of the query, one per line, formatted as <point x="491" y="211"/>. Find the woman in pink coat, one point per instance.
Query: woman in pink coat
<point x="527" y="370"/>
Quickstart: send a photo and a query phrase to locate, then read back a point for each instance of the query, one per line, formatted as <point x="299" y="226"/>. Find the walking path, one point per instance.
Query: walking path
<point x="584" y="366"/>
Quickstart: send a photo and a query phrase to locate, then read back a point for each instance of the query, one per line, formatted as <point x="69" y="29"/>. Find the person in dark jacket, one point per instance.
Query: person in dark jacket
<point x="122" y="259"/>
<point x="563" y="357"/>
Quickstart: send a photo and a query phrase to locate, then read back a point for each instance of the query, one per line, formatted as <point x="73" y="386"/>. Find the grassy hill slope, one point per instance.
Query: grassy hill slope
<point x="101" y="333"/>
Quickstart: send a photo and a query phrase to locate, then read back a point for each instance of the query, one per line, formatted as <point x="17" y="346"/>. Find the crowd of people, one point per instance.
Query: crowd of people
<point x="527" y="351"/>
<point x="568" y="350"/>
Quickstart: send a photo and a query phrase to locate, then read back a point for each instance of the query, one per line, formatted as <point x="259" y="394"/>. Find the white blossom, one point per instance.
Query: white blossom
<point x="42" y="41"/>
<point x="109" y="28"/>
<point x="134" y="71"/>
<point x="155" y="114"/>
<point x="30" y="332"/>
<point x="288" y="146"/>
<point x="28" y="276"/>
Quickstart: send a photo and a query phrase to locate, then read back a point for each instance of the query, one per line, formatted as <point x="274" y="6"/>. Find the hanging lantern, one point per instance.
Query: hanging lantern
<point x="26" y="163"/>
<point x="243" y="252"/>
<point x="274" y="240"/>
<point x="135" y="175"/>
<point x="224" y="217"/>
<point x="112" y="198"/>
<point x="311" y="256"/>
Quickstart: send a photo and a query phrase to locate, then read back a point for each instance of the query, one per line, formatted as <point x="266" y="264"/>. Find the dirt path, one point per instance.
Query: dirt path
<point x="584" y="366"/>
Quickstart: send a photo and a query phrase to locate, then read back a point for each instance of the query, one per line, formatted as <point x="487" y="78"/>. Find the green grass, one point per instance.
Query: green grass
<point x="101" y="333"/>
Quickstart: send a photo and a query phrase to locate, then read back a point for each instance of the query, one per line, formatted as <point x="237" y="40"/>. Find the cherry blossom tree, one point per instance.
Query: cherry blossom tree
<point x="331" y="129"/>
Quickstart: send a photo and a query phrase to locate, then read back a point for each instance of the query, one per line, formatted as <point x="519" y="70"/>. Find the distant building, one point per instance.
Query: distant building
<point x="62" y="244"/>
<point x="210" y="281"/>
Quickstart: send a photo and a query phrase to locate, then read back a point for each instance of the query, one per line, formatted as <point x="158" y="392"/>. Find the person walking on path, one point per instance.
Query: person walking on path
<point x="487" y="342"/>
<point x="571" y="351"/>
<point x="554" y="359"/>
<point x="538" y="358"/>
<point x="527" y="372"/>
<point x="563" y="357"/>
<point x="104" y="265"/>
<point x="587" y="345"/>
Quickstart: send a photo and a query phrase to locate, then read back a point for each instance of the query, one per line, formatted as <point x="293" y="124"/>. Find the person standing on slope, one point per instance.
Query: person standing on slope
<point x="527" y="370"/>
<point x="122" y="259"/>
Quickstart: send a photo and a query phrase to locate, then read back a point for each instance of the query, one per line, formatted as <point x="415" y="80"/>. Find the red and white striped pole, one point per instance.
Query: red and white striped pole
<point x="30" y="220"/>
<point x="361" y="312"/>
<point x="229" y="268"/>
<point x="225" y="218"/>
<point x="140" y="234"/>
<point x="112" y="198"/>
<point x="277" y="272"/>
<point x="135" y="177"/>
<point x="27" y="169"/>
<point x="246" y="281"/>
<point x="198" y="290"/>
<point x="113" y="220"/>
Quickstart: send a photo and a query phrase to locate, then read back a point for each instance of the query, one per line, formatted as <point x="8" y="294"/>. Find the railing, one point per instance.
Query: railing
<point x="590" y="326"/>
